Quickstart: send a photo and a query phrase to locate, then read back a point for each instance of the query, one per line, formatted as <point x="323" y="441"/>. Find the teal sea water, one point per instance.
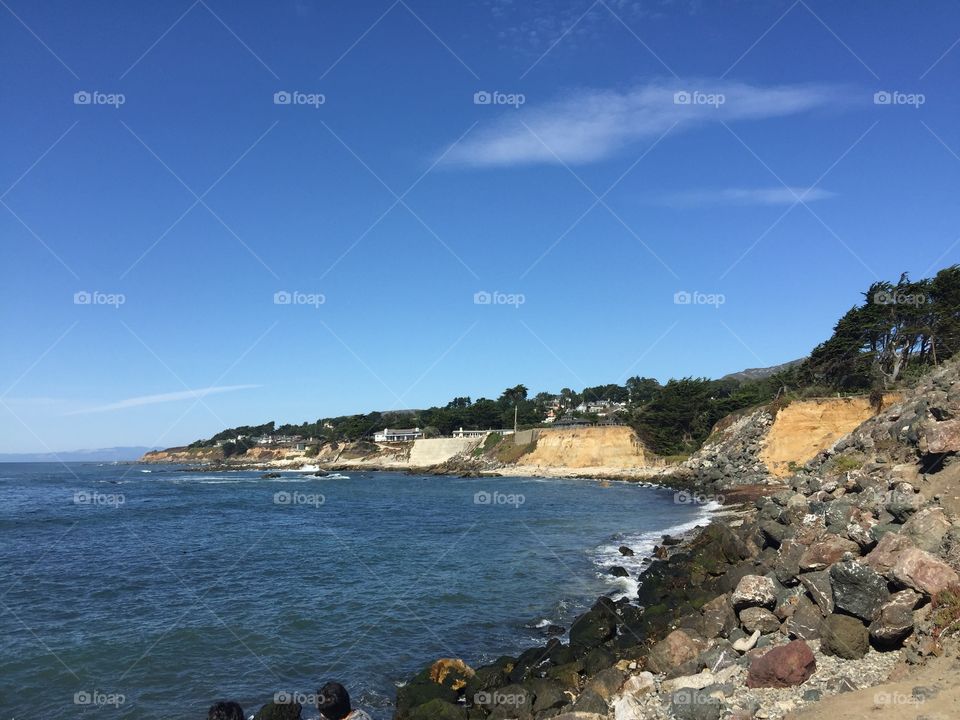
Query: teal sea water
<point x="134" y="592"/>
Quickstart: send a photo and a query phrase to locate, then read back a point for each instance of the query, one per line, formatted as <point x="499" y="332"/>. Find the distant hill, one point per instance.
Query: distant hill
<point x="114" y="454"/>
<point x="760" y="373"/>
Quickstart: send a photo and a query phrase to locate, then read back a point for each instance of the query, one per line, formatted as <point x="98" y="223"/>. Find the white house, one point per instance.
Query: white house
<point x="398" y="435"/>
<point x="461" y="433"/>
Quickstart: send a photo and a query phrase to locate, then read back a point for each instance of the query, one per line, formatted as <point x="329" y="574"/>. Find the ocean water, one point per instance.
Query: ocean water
<point x="132" y="592"/>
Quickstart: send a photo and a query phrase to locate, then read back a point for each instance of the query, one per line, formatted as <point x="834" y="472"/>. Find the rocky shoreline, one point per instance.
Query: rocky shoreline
<point x="837" y="581"/>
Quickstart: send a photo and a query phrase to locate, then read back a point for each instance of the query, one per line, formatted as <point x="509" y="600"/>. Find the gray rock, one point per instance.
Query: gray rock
<point x="894" y="621"/>
<point x="689" y="704"/>
<point x="755" y="618"/>
<point x="787" y="565"/>
<point x="820" y="589"/>
<point x="857" y="589"/>
<point x="754" y="591"/>
<point x="806" y="621"/>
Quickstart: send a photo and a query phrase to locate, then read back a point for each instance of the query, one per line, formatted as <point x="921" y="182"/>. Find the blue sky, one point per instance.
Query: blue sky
<point x="592" y="159"/>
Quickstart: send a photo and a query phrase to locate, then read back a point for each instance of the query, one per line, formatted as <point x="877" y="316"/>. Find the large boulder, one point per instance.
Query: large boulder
<point x="783" y="666"/>
<point x="754" y="591"/>
<point x="894" y="621"/>
<point x="718" y="617"/>
<point x="927" y="528"/>
<point x="885" y="555"/>
<point x="903" y="501"/>
<point x="940" y="437"/>
<point x="921" y="571"/>
<point x="756" y="618"/>
<point x="826" y="551"/>
<point x="806" y="621"/>
<point x="787" y="565"/>
<point x="438" y="709"/>
<point x="845" y="637"/>
<point x="858" y="589"/>
<point x="675" y="649"/>
<point x="594" y="627"/>
<point x="820" y="589"/>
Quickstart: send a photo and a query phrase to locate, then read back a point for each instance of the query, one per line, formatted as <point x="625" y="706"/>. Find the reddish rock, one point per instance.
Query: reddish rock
<point x="784" y="666"/>
<point x="940" y="437"/>
<point x="826" y="551"/>
<point x="884" y="556"/>
<point x="921" y="571"/>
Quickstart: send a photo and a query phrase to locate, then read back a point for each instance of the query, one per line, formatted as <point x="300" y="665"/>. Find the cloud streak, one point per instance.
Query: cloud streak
<point x="748" y="196"/>
<point x="142" y="400"/>
<point x="591" y="125"/>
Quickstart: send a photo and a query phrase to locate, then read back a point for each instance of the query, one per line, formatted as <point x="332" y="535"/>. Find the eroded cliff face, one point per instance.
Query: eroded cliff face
<point x="804" y="428"/>
<point x="770" y="443"/>
<point x="609" y="446"/>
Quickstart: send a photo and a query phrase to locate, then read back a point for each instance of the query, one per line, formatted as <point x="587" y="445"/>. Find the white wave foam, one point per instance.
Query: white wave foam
<point x="642" y="545"/>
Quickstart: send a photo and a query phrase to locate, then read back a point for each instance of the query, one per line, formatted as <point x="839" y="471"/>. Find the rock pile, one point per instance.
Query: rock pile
<point x="816" y="589"/>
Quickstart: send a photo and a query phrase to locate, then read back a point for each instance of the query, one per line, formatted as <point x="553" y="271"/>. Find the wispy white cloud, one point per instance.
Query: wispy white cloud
<point x="747" y="196"/>
<point x="590" y="125"/>
<point x="162" y="398"/>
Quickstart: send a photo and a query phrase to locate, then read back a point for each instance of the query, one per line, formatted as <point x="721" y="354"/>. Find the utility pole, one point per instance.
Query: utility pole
<point x="515" y="419"/>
